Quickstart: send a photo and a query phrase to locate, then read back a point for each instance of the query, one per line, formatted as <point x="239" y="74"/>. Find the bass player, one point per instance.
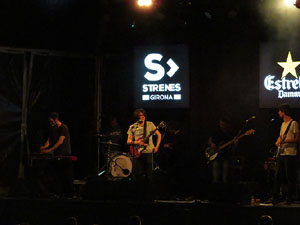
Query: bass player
<point x="220" y="166"/>
<point x="142" y="151"/>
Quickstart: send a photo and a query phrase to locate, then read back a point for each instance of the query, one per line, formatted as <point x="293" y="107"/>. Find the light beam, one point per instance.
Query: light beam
<point x="290" y="2"/>
<point x="144" y="3"/>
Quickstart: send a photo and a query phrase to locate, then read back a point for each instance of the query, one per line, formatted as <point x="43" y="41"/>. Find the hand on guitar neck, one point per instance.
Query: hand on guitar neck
<point x="235" y="141"/>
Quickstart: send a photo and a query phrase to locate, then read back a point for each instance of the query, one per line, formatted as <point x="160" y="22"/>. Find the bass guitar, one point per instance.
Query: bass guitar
<point x="136" y="150"/>
<point x="212" y="153"/>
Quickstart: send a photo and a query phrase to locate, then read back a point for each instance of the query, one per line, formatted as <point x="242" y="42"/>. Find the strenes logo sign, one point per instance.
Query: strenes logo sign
<point x="160" y="71"/>
<point x="168" y="89"/>
<point x="162" y="78"/>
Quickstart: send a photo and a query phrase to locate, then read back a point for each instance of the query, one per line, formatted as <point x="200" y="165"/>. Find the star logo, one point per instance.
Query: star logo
<point x="289" y="66"/>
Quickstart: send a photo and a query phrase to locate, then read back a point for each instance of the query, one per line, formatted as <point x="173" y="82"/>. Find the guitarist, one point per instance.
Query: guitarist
<point x="287" y="151"/>
<point x="136" y="132"/>
<point x="220" y="166"/>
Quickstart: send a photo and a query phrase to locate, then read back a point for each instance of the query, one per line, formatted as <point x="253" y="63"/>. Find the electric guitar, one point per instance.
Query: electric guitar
<point x="279" y="149"/>
<point x="212" y="153"/>
<point x="136" y="150"/>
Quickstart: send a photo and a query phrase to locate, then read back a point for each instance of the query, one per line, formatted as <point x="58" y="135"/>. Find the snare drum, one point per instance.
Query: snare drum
<point x="121" y="165"/>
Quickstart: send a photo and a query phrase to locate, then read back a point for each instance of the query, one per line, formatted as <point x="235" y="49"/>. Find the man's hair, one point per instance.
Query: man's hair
<point x="54" y="115"/>
<point x="71" y="221"/>
<point x="135" y="220"/>
<point x="226" y="119"/>
<point x="286" y="109"/>
<point x="137" y="112"/>
<point x="265" y="220"/>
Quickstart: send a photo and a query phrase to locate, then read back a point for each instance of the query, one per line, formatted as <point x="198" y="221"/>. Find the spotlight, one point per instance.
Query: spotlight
<point x="144" y="3"/>
<point x="290" y="2"/>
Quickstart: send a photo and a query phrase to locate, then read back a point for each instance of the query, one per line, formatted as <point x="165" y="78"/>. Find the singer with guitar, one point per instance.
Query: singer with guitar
<point x="140" y="139"/>
<point x="286" y="155"/>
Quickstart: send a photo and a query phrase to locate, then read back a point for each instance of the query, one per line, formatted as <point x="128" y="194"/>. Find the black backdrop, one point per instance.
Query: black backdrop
<point x="62" y="84"/>
<point x="224" y="51"/>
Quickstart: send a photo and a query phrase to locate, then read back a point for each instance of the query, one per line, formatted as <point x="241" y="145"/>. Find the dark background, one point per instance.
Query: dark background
<point x="223" y="39"/>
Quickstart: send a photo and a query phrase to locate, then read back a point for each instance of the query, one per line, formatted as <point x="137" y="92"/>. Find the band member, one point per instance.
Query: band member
<point x="220" y="165"/>
<point x="287" y="151"/>
<point x="114" y="134"/>
<point x="58" y="144"/>
<point x="113" y="142"/>
<point x="136" y="135"/>
<point x="114" y="131"/>
<point x="58" y="141"/>
<point x="170" y="156"/>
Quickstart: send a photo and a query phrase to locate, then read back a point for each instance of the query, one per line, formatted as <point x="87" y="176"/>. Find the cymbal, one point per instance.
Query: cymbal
<point x="109" y="143"/>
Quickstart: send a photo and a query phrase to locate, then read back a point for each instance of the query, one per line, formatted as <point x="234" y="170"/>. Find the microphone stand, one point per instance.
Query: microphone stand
<point x="243" y="128"/>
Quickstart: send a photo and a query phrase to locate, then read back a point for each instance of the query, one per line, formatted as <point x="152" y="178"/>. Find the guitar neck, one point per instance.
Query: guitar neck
<point x="161" y="124"/>
<point x="146" y="139"/>
<point x="231" y="142"/>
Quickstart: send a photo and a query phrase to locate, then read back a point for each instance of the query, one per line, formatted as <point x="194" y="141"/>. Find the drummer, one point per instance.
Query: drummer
<point x="114" y="135"/>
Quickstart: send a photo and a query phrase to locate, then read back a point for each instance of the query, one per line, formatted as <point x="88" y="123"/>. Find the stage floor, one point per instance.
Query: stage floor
<point x="44" y="211"/>
<point x="108" y="202"/>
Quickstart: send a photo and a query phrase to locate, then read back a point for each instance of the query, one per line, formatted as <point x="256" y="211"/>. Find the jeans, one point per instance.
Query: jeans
<point x="285" y="174"/>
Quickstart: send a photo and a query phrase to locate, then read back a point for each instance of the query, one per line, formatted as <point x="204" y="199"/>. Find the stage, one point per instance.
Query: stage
<point x="183" y="212"/>
<point x="113" y="203"/>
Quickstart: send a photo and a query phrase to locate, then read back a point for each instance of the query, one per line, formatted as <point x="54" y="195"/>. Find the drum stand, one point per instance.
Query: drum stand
<point x="104" y="168"/>
<point x="98" y="136"/>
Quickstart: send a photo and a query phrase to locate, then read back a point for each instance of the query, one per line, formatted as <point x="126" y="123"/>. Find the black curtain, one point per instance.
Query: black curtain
<point x="11" y="75"/>
<point x="58" y="83"/>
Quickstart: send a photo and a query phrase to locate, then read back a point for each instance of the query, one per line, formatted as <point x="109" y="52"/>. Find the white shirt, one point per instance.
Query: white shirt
<point x="289" y="148"/>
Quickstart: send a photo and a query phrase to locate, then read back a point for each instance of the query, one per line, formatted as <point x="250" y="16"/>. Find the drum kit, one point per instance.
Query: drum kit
<point x="118" y="165"/>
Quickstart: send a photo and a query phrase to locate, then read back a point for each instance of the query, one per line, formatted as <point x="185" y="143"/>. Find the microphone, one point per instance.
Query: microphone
<point x="251" y="118"/>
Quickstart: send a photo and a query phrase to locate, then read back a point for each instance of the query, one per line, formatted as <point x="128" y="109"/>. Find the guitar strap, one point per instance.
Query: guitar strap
<point x="145" y="129"/>
<point x="287" y="129"/>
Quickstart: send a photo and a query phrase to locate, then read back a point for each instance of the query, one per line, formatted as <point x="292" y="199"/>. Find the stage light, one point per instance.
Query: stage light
<point x="144" y="3"/>
<point x="290" y="2"/>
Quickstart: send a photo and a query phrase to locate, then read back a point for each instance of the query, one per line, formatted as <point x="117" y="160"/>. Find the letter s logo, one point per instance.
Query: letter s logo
<point x="160" y="71"/>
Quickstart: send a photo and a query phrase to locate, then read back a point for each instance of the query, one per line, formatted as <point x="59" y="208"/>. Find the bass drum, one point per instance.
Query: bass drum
<point x="121" y="165"/>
